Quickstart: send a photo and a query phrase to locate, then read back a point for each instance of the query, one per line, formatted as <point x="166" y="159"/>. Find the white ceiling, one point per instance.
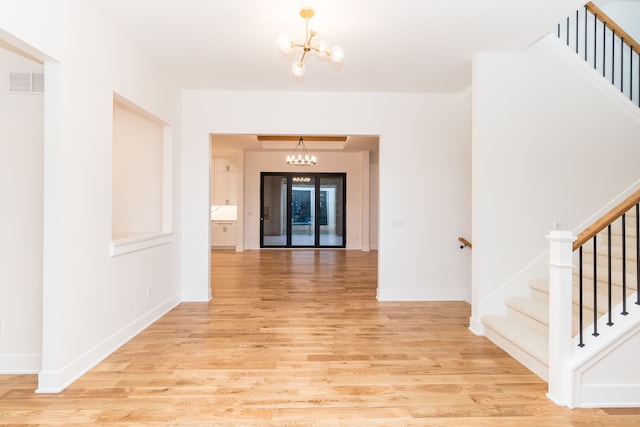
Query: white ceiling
<point x="390" y="45"/>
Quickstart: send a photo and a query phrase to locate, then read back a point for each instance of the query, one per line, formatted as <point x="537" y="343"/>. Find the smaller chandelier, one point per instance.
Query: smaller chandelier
<point x="335" y="54"/>
<point x="300" y="156"/>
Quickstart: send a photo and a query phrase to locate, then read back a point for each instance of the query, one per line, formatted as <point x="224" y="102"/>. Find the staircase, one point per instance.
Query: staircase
<point x="524" y="330"/>
<point x="522" y="327"/>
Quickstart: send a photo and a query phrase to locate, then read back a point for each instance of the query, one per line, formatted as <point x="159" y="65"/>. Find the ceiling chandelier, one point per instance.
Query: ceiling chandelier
<point x="300" y="156"/>
<point x="287" y="45"/>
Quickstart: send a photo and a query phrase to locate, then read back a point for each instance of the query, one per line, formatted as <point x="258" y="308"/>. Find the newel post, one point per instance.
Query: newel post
<point x="560" y="307"/>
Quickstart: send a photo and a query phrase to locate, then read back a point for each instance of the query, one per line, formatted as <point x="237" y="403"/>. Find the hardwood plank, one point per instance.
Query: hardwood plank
<point x="297" y="338"/>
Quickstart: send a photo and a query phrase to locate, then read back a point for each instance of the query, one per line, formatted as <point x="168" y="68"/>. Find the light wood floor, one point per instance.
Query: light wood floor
<point x="297" y="338"/>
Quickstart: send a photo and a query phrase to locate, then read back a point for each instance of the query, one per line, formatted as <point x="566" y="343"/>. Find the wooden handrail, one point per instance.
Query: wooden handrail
<point x="464" y="242"/>
<point x="610" y="23"/>
<point x="607" y="219"/>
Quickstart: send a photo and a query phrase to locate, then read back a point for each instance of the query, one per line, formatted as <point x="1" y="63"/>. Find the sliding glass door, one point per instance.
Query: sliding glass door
<point x="331" y="217"/>
<point x="302" y="210"/>
<point x="274" y="227"/>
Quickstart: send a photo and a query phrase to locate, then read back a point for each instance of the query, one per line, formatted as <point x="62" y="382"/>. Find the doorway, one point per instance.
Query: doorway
<point x="302" y="210"/>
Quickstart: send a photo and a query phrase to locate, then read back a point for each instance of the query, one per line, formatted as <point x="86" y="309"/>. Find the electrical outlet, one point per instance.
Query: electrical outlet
<point x="149" y="291"/>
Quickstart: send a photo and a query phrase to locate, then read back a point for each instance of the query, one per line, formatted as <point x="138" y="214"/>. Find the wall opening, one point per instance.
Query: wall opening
<point x="141" y="179"/>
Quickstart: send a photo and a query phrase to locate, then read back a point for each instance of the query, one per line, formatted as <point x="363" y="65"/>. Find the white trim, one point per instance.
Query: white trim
<point x="167" y="179"/>
<point x="139" y="242"/>
<point x="423" y="295"/>
<point x="56" y="381"/>
<point x="610" y="396"/>
<point x="476" y="326"/>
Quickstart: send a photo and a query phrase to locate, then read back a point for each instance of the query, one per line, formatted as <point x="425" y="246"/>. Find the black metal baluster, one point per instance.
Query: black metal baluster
<point x="621" y="64"/>
<point x="595" y="41"/>
<point x="610" y="322"/>
<point x="577" y="20"/>
<point x="624" y="265"/>
<point x="613" y="57"/>
<point x="581" y="306"/>
<point x="595" y="286"/>
<point x="631" y="73"/>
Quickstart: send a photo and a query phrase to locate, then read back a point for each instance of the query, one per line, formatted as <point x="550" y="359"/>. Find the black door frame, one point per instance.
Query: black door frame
<point x="317" y="176"/>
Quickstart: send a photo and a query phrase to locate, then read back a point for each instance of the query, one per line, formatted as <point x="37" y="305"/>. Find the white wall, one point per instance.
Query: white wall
<point x="553" y="143"/>
<point x="350" y="163"/>
<point x="424" y="176"/>
<point x="626" y="14"/>
<point x="21" y="146"/>
<point x="92" y="302"/>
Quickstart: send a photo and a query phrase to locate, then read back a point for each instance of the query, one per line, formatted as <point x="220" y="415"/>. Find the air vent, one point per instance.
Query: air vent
<point x="26" y="82"/>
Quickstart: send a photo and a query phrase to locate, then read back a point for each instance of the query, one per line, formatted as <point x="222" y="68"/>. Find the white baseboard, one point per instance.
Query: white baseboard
<point x="58" y="380"/>
<point x="422" y="295"/>
<point x="15" y="364"/>
<point x="476" y="326"/>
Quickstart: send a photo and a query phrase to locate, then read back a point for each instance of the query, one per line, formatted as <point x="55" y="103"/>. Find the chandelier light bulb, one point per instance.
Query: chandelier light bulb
<point x="297" y="69"/>
<point x="322" y="48"/>
<point x="314" y="27"/>
<point x="337" y="54"/>
<point x="285" y="43"/>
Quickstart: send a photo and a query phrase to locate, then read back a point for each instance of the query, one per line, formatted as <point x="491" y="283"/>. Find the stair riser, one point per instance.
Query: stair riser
<point x="603" y="280"/>
<point x="529" y="322"/>
<point x="541" y="293"/>
<point x="603" y="261"/>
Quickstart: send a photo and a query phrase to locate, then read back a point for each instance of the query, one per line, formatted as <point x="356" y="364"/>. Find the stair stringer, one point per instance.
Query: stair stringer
<point x="604" y="370"/>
